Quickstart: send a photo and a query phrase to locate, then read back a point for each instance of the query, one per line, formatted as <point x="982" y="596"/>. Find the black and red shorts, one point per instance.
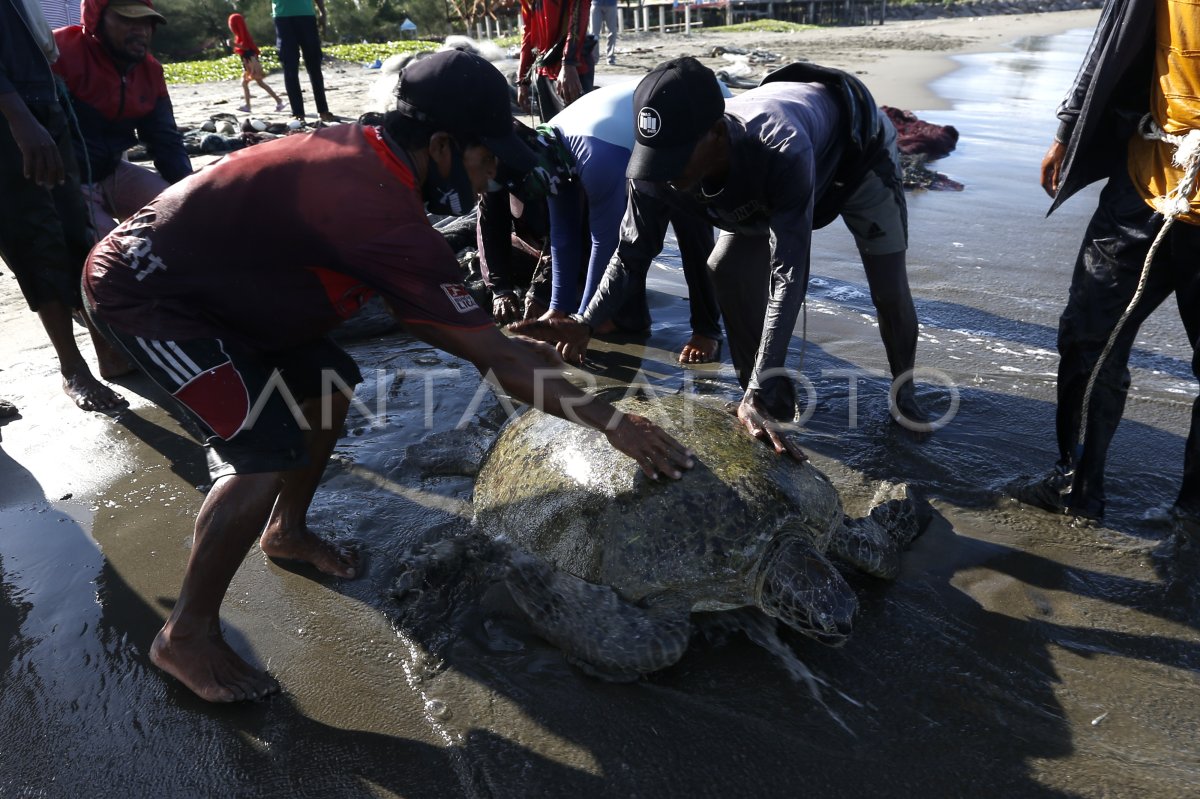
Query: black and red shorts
<point x="249" y="401"/>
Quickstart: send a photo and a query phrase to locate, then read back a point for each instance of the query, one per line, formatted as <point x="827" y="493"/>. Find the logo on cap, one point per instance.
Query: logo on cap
<point x="649" y="122"/>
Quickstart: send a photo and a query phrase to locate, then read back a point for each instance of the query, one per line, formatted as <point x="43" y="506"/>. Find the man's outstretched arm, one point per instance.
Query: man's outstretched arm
<point x="532" y="374"/>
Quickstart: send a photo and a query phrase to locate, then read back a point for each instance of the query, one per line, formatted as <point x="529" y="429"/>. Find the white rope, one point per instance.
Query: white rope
<point x="1173" y="205"/>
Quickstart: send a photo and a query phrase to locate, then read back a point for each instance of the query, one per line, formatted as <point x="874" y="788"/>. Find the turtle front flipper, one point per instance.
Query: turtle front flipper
<point x="605" y="635"/>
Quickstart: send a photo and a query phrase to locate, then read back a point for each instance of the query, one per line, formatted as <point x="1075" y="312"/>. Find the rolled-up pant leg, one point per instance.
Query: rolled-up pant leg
<point x="121" y="195"/>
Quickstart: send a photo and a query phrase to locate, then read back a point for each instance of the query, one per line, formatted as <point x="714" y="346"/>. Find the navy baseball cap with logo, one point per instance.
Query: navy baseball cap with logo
<point x="673" y="107"/>
<point x="464" y="95"/>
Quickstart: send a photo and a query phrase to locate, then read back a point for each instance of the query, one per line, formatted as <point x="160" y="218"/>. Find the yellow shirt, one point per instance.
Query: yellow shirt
<point x="1174" y="101"/>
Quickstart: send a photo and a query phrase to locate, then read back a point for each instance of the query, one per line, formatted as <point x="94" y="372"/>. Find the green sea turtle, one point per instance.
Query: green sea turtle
<point x="608" y="565"/>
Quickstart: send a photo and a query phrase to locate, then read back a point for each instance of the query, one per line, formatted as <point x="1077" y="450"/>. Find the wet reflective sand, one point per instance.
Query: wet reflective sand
<point x="1015" y="655"/>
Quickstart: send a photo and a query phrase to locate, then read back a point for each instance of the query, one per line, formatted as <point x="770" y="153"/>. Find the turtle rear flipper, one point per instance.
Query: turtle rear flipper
<point x="605" y="635"/>
<point x="874" y="542"/>
<point x="865" y="544"/>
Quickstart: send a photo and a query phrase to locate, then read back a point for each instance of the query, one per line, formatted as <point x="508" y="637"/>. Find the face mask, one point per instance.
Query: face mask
<point x="449" y="196"/>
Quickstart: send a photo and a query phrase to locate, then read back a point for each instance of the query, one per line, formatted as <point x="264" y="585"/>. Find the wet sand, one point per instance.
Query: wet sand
<point x="1015" y="655"/>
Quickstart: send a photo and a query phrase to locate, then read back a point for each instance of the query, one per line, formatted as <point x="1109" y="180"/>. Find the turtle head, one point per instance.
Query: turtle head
<point x="801" y="588"/>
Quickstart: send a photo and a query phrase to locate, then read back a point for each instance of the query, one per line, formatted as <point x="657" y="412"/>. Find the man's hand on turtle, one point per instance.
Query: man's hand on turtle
<point x="523" y="97"/>
<point x="546" y="353"/>
<point x="655" y="451"/>
<point x="505" y="308"/>
<point x="570" y="335"/>
<point x="766" y="428"/>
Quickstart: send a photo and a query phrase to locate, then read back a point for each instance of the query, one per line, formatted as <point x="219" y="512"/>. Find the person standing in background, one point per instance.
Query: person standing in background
<point x="297" y="31"/>
<point x="605" y="14"/>
<point x="553" y="54"/>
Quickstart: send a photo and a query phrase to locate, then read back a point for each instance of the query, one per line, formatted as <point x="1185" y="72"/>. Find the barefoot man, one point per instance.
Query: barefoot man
<point x="44" y="232"/>
<point x="240" y="341"/>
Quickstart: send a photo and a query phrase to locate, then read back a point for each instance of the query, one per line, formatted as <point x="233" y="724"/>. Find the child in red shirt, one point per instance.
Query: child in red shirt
<point x="243" y="45"/>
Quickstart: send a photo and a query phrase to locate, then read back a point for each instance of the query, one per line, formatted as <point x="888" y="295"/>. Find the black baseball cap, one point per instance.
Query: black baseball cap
<point x="467" y="97"/>
<point x="673" y="107"/>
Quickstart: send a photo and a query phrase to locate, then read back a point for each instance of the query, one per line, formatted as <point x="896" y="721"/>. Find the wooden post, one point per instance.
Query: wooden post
<point x="728" y="12"/>
<point x="662" y="18"/>
<point x="687" y="20"/>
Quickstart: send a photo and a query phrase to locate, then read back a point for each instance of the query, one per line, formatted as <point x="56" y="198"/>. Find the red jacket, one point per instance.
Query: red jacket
<point x="547" y="21"/>
<point x="243" y="42"/>
<point x="117" y="110"/>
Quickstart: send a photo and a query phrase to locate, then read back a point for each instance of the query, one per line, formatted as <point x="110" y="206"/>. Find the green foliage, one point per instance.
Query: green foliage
<point x="195" y="28"/>
<point x="199" y="29"/>
<point x="760" y="26"/>
<point x="230" y="67"/>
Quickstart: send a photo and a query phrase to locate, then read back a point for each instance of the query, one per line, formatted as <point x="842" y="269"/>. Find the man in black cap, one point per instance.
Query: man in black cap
<point x="766" y="167"/>
<point x="240" y="342"/>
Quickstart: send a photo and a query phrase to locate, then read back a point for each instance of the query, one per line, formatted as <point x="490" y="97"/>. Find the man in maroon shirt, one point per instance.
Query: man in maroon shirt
<point x="240" y="342"/>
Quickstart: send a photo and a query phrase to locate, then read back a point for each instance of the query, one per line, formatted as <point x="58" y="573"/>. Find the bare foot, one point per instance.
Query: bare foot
<point x="699" y="349"/>
<point x="209" y="667"/>
<point x="90" y="394"/>
<point x="339" y="560"/>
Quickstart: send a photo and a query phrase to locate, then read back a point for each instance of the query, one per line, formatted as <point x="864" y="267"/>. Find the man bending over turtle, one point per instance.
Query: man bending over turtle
<point x="766" y="167"/>
<point x="241" y="344"/>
